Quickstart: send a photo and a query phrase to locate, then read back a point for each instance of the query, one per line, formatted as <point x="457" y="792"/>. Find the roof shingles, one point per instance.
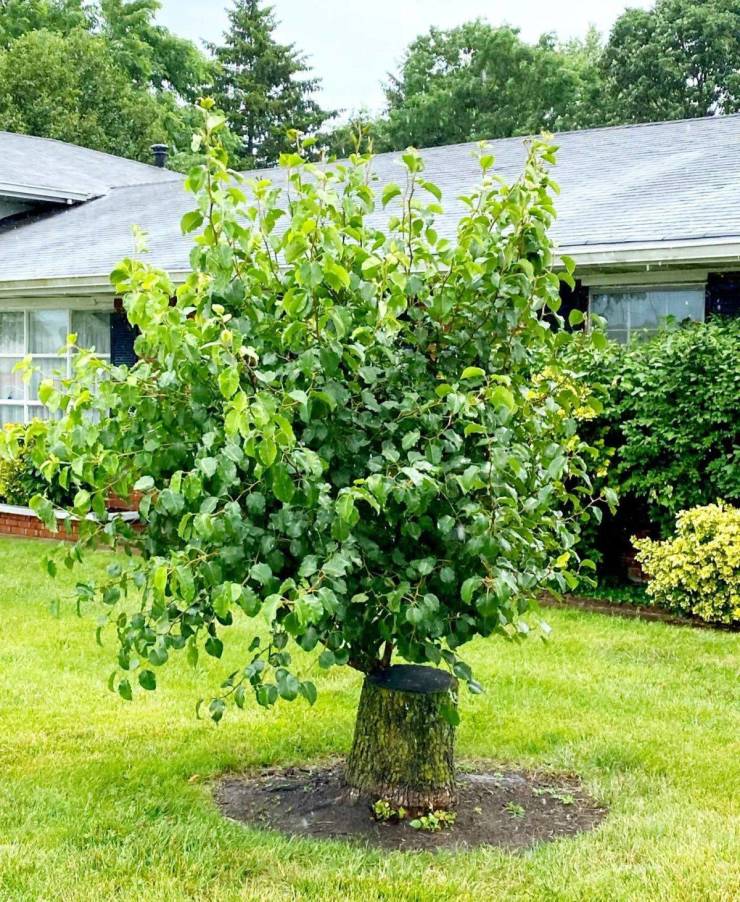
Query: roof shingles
<point x="669" y="181"/>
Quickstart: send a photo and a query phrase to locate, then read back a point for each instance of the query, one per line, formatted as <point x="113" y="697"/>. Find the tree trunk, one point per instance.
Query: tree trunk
<point x="403" y="750"/>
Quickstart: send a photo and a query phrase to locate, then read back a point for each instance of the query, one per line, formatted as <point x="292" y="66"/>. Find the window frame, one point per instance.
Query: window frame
<point x="30" y="406"/>
<point x="642" y="288"/>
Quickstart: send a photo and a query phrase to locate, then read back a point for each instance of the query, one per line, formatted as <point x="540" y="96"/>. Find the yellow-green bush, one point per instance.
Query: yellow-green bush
<point x="697" y="571"/>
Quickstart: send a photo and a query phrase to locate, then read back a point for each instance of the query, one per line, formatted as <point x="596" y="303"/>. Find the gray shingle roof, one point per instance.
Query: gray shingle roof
<point x="67" y="170"/>
<point x="665" y="182"/>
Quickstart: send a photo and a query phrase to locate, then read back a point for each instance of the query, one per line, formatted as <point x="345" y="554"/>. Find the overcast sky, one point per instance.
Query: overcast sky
<point x="353" y="44"/>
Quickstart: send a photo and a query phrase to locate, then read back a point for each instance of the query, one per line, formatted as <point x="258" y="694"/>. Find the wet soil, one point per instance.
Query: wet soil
<point x="510" y="809"/>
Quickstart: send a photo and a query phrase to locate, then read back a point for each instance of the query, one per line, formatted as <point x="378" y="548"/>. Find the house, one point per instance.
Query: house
<point x="650" y="213"/>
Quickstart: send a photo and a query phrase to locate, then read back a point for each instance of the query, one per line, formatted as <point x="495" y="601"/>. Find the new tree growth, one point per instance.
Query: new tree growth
<point x="353" y="435"/>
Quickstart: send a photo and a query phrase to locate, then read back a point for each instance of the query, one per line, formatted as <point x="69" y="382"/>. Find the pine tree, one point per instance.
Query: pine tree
<point x="259" y="85"/>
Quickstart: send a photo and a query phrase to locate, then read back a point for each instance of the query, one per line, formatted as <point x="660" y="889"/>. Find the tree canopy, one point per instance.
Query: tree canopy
<point x="263" y="86"/>
<point x="480" y="81"/>
<point x="361" y="435"/>
<point x="69" y="87"/>
<point x="101" y="74"/>
<point x="18" y="17"/>
<point x="680" y="59"/>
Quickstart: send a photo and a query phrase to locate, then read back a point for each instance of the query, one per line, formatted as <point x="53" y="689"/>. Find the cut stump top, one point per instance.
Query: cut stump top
<point x="412" y="678"/>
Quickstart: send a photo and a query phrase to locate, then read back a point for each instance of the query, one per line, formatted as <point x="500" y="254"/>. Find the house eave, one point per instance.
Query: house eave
<point x="709" y="253"/>
<point x="94" y="285"/>
<point x="42" y="193"/>
<point x="720" y="251"/>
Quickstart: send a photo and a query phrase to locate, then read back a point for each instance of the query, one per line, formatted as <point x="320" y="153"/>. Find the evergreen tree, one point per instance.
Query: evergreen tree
<point x="261" y="85"/>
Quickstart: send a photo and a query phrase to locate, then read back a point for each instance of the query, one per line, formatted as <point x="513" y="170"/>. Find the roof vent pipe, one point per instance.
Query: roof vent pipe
<point x="160" y="155"/>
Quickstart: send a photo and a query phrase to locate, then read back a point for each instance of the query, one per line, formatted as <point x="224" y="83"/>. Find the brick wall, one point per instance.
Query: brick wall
<point x="28" y="526"/>
<point x="23" y="523"/>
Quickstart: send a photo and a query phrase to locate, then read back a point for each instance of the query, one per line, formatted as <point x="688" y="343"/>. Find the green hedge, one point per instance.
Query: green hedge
<point x="669" y="434"/>
<point x="676" y="406"/>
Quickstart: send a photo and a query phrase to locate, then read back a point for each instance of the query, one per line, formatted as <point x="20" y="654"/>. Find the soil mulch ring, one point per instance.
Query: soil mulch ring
<point x="510" y="809"/>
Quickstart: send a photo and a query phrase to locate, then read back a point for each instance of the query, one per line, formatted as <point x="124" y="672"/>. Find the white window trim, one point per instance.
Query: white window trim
<point x="634" y="288"/>
<point x="29" y="405"/>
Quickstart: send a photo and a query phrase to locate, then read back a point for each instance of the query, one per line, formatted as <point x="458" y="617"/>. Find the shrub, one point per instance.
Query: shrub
<point x="21" y="479"/>
<point x="667" y="438"/>
<point x="677" y="409"/>
<point x="698" y="571"/>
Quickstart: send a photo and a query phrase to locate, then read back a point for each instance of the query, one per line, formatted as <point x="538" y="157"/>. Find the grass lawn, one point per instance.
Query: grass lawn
<point x="102" y="799"/>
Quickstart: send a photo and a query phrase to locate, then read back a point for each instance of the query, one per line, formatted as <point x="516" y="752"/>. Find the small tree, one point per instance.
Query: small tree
<point x="361" y="434"/>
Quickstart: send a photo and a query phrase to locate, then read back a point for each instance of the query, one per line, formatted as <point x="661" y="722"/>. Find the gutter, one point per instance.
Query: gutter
<point x="48" y="195"/>
<point x="78" y="286"/>
<point x="619" y="256"/>
<point x="723" y="249"/>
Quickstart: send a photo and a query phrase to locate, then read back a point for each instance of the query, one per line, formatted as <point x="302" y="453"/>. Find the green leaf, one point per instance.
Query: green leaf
<point x="468" y="588"/>
<point x="576" y="317"/>
<point x="214" y="646"/>
<point x="228" y="381"/>
<point x="410" y="439"/>
<point x="159" y="578"/>
<point x="327" y="658"/>
<point x="147" y="680"/>
<point x="473" y="372"/>
<point x="82" y="501"/>
<point x="144" y="484"/>
<point x="288" y="686"/>
<point x="390" y="191"/>
<point x="124" y="690"/>
<point x="500" y="396"/>
<point x="346" y="507"/>
<point x="216" y="709"/>
<point x="433" y="189"/>
<point x="336" y="275"/>
<point x="191" y="221"/>
<point x="308" y="691"/>
<point x="267" y="451"/>
<point x="599" y="340"/>
<point x="208" y="465"/>
<point x="261" y="573"/>
<point x="282" y="485"/>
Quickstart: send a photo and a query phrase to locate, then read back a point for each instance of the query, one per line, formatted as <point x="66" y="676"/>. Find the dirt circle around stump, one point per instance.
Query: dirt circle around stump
<point x="510" y="809"/>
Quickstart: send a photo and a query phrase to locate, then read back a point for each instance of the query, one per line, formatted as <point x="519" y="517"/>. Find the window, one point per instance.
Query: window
<point x="634" y="312"/>
<point x="42" y="333"/>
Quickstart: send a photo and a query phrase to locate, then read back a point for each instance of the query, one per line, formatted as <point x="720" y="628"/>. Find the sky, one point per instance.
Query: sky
<point x="353" y="44"/>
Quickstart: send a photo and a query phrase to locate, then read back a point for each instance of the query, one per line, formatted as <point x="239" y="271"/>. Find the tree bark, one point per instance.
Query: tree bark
<point x="403" y="749"/>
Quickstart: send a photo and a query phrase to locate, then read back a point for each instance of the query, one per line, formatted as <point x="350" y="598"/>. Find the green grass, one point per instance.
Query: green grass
<point x="104" y="800"/>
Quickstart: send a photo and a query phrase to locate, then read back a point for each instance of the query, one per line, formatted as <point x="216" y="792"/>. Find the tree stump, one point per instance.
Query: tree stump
<point x="403" y="749"/>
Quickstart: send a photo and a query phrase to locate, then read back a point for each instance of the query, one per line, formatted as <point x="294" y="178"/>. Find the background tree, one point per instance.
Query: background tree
<point x="138" y="76"/>
<point x="17" y="17"/>
<point x="69" y="87"/>
<point x="678" y="60"/>
<point x="361" y="132"/>
<point x="479" y="81"/>
<point x="364" y="436"/>
<point x="150" y="53"/>
<point x="262" y="85"/>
